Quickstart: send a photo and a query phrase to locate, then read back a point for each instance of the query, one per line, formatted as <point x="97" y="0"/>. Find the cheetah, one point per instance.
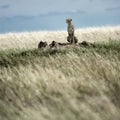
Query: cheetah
<point x="42" y="44"/>
<point x="70" y="29"/>
<point x="53" y="44"/>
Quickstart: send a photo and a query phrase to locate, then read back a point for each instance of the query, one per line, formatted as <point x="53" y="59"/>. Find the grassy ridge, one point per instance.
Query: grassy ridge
<point x="12" y="58"/>
<point x="72" y="83"/>
<point x="24" y="57"/>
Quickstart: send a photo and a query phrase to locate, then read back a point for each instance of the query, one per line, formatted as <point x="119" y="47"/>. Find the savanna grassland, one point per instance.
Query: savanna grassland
<point x="68" y="83"/>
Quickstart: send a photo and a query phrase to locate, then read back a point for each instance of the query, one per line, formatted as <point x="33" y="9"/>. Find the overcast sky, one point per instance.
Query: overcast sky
<point x="36" y="9"/>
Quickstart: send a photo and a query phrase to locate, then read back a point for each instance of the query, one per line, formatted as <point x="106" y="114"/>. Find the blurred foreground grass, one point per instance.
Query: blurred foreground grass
<point x="74" y="83"/>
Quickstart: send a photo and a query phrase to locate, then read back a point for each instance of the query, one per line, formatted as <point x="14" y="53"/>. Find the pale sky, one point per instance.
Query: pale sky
<point x="38" y="11"/>
<point x="36" y="7"/>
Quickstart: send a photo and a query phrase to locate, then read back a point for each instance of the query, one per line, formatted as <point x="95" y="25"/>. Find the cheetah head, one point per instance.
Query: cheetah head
<point x="68" y="21"/>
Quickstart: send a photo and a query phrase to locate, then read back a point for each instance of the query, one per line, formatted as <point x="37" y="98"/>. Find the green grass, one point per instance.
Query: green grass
<point x="74" y="83"/>
<point x="15" y="57"/>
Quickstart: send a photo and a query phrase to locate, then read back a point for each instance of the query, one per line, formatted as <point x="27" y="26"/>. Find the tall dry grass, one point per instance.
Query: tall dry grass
<point x="74" y="83"/>
<point x="62" y="87"/>
<point x="29" y="40"/>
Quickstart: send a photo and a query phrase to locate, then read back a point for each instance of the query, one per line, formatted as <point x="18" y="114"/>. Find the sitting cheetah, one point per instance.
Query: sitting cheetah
<point x="70" y="29"/>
